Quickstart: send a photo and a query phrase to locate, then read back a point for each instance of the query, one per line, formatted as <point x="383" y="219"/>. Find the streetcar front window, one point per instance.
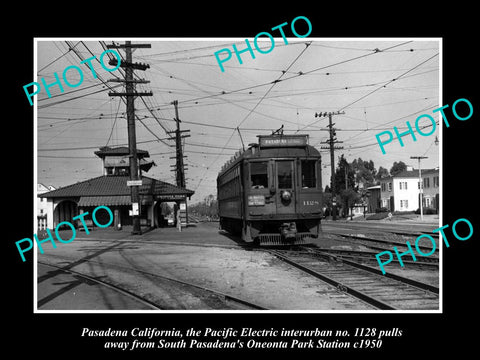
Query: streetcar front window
<point x="259" y="175"/>
<point x="284" y="171"/>
<point x="309" y="179"/>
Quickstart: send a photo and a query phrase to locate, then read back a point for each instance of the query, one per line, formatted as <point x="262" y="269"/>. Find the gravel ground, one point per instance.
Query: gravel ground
<point x="254" y="276"/>
<point x="229" y="268"/>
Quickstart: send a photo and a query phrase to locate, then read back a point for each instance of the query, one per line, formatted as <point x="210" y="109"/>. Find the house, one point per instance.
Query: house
<point x="111" y="189"/>
<point x="431" y="189"/>
<point x="402" y="191"/>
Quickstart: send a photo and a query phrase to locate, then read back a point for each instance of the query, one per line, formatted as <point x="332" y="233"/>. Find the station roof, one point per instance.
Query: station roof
<point x="116" y="186"/>
<point x="118" y="151"/>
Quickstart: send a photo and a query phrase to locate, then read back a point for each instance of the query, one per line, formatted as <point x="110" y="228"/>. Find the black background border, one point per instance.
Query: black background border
<point x="59" y="334"/>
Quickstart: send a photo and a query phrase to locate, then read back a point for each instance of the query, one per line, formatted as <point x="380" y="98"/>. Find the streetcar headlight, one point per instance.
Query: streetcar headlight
<point x="256" y="200"/>
<point x="286" y="195"/>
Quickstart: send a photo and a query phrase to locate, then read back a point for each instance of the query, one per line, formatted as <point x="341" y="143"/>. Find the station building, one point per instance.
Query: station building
<point x="110" y="189"/>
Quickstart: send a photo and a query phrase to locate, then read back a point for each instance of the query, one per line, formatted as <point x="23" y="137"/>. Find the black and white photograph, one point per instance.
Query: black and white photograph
<point x="247" y="187"/>
<point x="215" y="161"/>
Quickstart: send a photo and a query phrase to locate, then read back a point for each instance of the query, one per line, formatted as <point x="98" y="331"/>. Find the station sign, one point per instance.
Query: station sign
<point x="170" y="197"/>
<point x="134" y="182"/>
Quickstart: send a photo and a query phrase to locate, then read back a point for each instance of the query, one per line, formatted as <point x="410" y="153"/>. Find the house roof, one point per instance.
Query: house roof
<point x="414" y="173"/>
<point x="411" y="174"/>
<point x="113" y="185"/>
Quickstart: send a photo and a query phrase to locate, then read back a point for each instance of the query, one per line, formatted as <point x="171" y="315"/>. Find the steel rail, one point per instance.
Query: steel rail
<point x="106" y="284"/>
<point x="415" y="283"/>
<point x="345" y="288"/>
<point x="383" y="241"/>
<point x="370" y="256"/>
<point x="181" y="282"/>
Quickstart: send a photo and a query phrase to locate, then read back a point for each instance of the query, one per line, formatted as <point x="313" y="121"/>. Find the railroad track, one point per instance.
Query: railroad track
<point x="94" y="280"/>
<point x="385" y="292"/>
<point x="369" y="257"/>
<point x="386" y="229"/>
<point x="387" y="245"/>
<point x="218" y="300"/>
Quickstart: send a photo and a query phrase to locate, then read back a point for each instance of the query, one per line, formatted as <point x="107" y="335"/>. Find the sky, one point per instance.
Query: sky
<point x="377" y="83"/>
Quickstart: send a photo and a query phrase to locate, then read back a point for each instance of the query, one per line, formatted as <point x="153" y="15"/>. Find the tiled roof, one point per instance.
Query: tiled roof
<point x="109" y="185"/>
<point x="105" y="200"/>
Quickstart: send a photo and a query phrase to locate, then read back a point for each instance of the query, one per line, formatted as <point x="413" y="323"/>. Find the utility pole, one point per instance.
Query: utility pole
<point x="130" y="94"/>
<point x="179" y="167"/>
<point x="332" y="141"/>
<point x="346" y="179"/>
<point x="420" y="182"/>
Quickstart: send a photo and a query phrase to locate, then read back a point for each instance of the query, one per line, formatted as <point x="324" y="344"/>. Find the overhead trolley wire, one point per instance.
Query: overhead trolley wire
<point x="301" y="73"/>
<point x="256" y="105"/>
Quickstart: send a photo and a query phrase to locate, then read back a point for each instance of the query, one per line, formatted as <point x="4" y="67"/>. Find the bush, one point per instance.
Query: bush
<point x="403" y="212"/>
<point x="377" y="216"/>
<point x="427" y="211"/>
<point x="381" y="210"/>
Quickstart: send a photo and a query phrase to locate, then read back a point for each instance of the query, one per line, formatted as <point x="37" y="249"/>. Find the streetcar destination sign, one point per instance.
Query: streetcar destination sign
<point x="284" y="140"/>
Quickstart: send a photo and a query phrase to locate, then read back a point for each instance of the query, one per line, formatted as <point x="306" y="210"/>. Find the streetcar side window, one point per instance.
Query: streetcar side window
<point x="259" y="175"/>
<point x="309" y="180"/>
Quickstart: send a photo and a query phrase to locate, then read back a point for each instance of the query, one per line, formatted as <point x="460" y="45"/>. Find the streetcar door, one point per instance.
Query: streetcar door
<point x="285" y="195"/>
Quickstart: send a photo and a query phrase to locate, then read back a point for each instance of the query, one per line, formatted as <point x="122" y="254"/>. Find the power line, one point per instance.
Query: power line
<point x="74" y="98"/>
<point x="389" y="82"/>
<point x="53" y="61"/>
<point x="114" y="123"/>
<point x="378" y="88"/>
<point x="301" y="73"/>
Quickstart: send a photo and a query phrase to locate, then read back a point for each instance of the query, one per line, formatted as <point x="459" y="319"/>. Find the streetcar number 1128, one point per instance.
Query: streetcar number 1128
<point x="365" y="331"/>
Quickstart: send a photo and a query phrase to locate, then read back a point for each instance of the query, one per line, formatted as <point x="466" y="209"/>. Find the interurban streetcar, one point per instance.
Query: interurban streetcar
<point x="271" y="193"/>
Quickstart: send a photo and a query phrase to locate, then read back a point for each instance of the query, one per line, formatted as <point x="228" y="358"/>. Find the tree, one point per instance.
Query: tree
<point x="327" y="203"/>
<point x="365" y="172"/>
<point x="207" y="207"/>
<point x="344" y="172"/>
<point x="397" y="168"/>
<point x="349" y="198"/>
<point x="381" y="173"/>
<point x="345" y="184"/>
